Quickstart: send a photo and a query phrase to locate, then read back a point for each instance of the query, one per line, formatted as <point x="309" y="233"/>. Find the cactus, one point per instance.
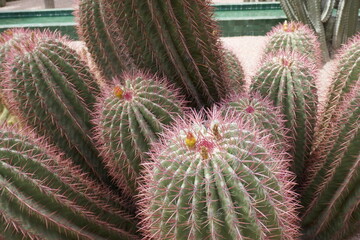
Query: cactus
<point x="103" y="39"/>
<point x="345" y="77"/>
<point x="332" y="30"/>
<point x="44" y="197"/>
<point x="235" y="72"/>
<point x="178" y="40"/>
<point x="217" y="179"/>
<point x="130" y="118"/>
<point x="288" y="80"/>
<point x="261" y="113"/>
<point x="332" y="195"/>
<point x="294" y="36"/>
<point x="54" y="93"/>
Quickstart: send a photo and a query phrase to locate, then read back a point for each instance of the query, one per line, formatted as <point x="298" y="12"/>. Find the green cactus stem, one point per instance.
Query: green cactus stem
<point x="217" y="179"/>
<point x="345" y="77"/>
<point x="53" y="92"/>
<point x="44" y="197"/>
<point x="288" y="79"/>
<point x="177" y="39"/>
<point x="235" y="72"/>
<point x="332" y="195"/>
<point x="130" y="118"/>
<point x="294" y="36"/>
<point x="103" y="39"/>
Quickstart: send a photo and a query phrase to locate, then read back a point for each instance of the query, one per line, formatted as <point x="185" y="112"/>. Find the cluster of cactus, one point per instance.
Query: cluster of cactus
<point x="168" y="144"/>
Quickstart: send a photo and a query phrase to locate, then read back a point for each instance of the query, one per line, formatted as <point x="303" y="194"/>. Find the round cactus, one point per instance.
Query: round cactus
<point x="130" y="118"/>
<point x="42" y="196"/>
<point x="261" y="113"/>
<point x="294" y="36"/>
<point x="288" y="80"/>
<point x="217" y="179"/>
<point x="52" y="91"/>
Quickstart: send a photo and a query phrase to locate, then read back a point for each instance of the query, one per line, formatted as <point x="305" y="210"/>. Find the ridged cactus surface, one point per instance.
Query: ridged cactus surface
<point x="288" y="79"/>
<point x="103" y="38"/>
<point x="217" y="179"/>
<point x="235" y="72"/>
<point x="43" y="197"/>
<point x="178" y="39"/>
<point x="332" y="195"/>
<point x="345" y="77"/>
<point x="261" y="113"/>
<point x="294" y="36"/>
<point x="53" y="92"/>
<point x="131" y="117"/>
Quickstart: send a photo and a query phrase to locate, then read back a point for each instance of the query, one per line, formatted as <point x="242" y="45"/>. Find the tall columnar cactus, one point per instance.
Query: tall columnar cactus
<point x="294" y="36"/>
<point x="104" y="40"/>
<point x="130" y="118"/>
<point x="217" y="179"/>
<point x="345" y="77"/>
<point x="54" y="93"/>
<point x="235" y="72"/>
<point x="44" y="197"/>
<point x="332" y="195"/>
<point x="261" y="113"/>
<point x="288" y="80"/>
<point x="178" y="39"/>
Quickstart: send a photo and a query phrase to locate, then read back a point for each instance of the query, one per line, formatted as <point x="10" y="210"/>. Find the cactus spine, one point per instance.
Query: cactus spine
<point x="54" y="93"/>
<point x="177" y="39"/>
<point x="130" y="119"/>
<point x="217" y="179"/>
<point x="44" y="197"/>
<point x="294" y="36"/>
<point x="288" y="80"/>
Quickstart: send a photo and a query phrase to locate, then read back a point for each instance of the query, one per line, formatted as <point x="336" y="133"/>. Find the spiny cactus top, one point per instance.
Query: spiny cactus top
<point x="235" y="72"/>
<point x="294" y="36"/>
<point x="288" y="80"/>
<point x="345" y="77"/>
<point x="217" y="179"/>
<point x="131" y="115"/>
<point x="261" y="113"/>
<point x="53" y="92"/>
<point x="43" y="197"/>
<point x="178" y="39"/>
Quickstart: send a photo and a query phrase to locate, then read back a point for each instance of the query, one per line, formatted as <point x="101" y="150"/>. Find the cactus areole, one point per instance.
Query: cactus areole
<point x="217" y="179"/>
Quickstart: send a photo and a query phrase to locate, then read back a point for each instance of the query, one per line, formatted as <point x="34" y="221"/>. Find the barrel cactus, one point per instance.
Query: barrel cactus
<point x="54" y="93"/>
<point x="43" y="196"/>
<point x="260" y="112"/>
<point x="217" y="179"/>
<point x="235" y="72"/>
<point x="130" y="118"/>
<point x="288" y="79"/>
<point x="294" y="36"/>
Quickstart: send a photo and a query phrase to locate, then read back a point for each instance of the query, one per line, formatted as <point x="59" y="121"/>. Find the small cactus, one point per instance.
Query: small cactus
<point x="130" y="118"/>
<point x="288" y="80"/>
<point x="42" y="196"/>
<point x="217" y="179"/>
<point x="261" y="113"/>
<point x="52" y="92"/>
<point x="294" y="36"/>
